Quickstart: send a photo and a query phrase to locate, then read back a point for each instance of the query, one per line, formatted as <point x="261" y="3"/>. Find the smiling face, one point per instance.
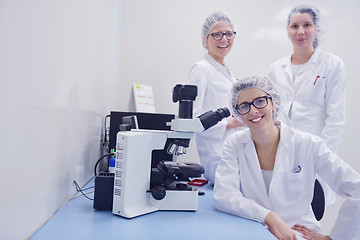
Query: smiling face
<point x="302" y="30"/>
<point x="256" y="119"/>
<point x="218" y="49"/>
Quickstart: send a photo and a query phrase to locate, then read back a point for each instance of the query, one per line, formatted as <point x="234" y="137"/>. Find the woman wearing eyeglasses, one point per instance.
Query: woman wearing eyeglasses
<point x="267" y="172"/>
<point x="214" y="80"/>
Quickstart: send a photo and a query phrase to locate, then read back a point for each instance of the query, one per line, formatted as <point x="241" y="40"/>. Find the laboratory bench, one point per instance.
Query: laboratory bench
<point x="78" y="220"/>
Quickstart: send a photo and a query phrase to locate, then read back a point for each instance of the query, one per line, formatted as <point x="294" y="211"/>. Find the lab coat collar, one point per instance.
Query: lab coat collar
<point x="245" y="136"/>
<point x="315" y="57"/>
<point x="284" y="130"/>
<point x="222" y="68"/>
<point x="283" y="148"/>
<point x="213" y="62"/>
<point x="286" y="63"/>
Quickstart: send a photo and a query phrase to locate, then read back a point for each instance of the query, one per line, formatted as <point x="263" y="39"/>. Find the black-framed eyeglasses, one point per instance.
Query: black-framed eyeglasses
<point x="217" y="36"/>
<point x="259" y="103"/>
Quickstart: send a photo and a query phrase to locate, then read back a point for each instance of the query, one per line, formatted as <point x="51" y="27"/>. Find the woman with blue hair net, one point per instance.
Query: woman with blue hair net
<point x="214" y="80"/>
<point x="311" y="82"/>
<point x="267" y="171"/>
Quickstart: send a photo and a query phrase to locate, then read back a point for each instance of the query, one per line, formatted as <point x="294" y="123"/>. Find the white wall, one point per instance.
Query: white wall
<point x="161" y="39"/>
<point x="63" y="68"/>
<point x="58" y="71"/>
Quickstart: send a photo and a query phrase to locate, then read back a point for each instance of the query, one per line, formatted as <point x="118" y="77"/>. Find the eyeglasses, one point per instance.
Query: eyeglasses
<point x="259" y="103"/>
<point x="217" y="36"/>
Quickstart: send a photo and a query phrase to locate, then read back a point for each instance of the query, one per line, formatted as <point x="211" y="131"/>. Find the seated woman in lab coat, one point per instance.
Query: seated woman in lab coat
<point x="267" y="171"/>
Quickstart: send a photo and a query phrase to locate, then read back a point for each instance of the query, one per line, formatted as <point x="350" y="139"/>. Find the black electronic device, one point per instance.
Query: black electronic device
<point x="150" y="121"/>
<point x="129" y="122"/>
<point x="103" y="192"/>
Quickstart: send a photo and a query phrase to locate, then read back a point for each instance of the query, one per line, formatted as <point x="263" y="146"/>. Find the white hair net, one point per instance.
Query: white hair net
<point x="262" y="83"/>
<point x="316" y="16"/>
<point x="211" y="21"/>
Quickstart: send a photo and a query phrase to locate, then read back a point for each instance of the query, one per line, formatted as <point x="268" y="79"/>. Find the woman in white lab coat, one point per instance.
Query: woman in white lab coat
<point x="214" y="80"/>
<point x="267" y="172"/>
<point x="311" y="82"/>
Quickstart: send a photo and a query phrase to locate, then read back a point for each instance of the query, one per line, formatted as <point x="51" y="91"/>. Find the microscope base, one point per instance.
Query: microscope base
<point x="177" y="200"/>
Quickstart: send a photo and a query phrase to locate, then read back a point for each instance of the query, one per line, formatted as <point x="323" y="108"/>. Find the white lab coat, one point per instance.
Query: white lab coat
<point x="240" y="188"/>
<point x="214" y="82"/>
<point x="314" y="99"/>
<point x="315" y="107"/>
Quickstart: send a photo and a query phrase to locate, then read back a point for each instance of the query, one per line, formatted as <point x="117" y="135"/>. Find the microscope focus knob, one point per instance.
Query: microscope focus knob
<point x="158" y="192"/>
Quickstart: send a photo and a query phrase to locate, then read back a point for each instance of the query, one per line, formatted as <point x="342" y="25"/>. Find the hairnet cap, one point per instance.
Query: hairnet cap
<point x="211" y="21"/>
<point x="316" y="16"/>
<point x="262" y="83"/>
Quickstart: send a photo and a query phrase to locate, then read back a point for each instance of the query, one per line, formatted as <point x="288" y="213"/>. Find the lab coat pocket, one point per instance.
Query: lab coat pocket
<point x="292" y="188"/>
<point x="315" y="92"/>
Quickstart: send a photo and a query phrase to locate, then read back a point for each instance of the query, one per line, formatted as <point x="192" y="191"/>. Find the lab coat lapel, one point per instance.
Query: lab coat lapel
<point x="254" y="167"/>
<point x="288" y="70"/>
<point x="281" y="161"/>
<point x="282" y="151"/>
<point x="287" y="90"/>
<point x="224" y="70"/>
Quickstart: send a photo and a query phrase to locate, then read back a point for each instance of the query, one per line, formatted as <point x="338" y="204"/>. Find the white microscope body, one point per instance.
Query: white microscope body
<point x="140" y="188"/>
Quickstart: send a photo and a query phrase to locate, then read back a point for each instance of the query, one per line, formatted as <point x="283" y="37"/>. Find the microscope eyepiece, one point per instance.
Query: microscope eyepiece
<point x="185" y="94"/>
<point x="222" y="113"/>
<point x="211" y="118"/>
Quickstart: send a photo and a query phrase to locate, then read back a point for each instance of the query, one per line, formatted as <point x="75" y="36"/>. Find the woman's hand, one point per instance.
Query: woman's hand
<point x="279" y="228"/>
<point x="233" y="123"/>
<point x="309" y="234"/>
